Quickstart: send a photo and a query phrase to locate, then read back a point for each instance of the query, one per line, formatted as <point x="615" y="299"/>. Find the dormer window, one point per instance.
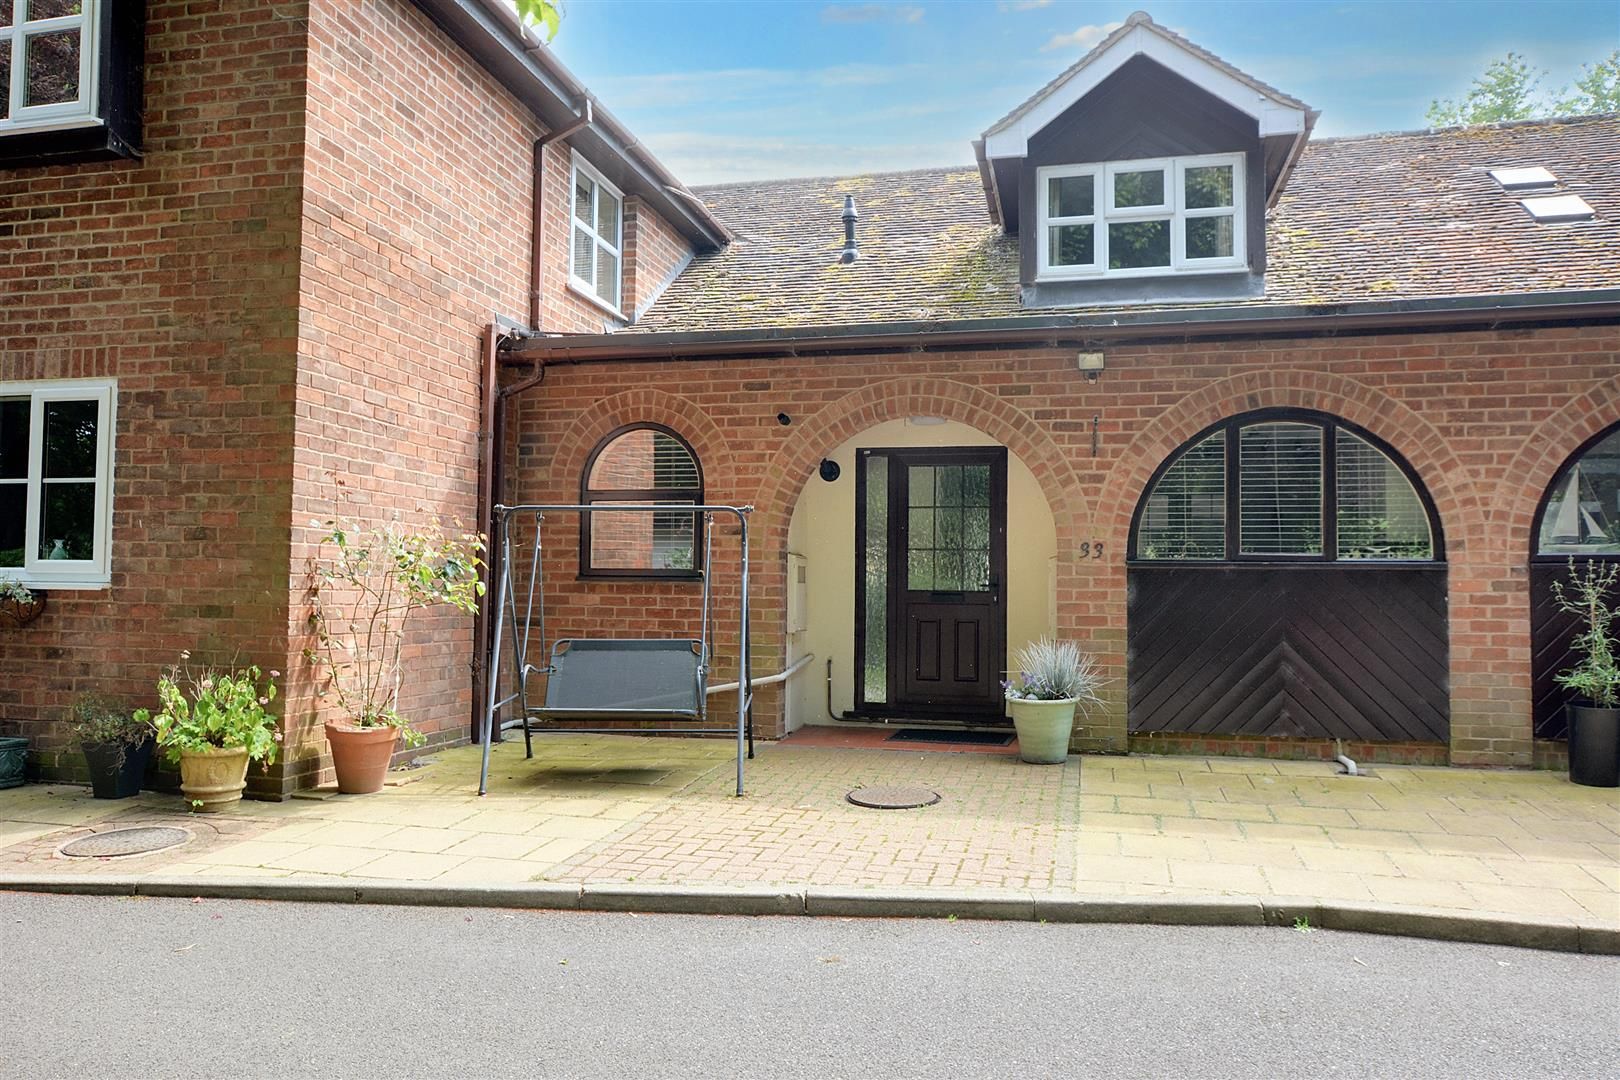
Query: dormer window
<point x="1140" y="218"/>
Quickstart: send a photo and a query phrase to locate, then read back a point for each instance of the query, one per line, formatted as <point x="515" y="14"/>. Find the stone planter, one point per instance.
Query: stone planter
<point x="360" y="756"/>
<point x="212" y="780"/>
<point x="1594" y="746"/>
<point x="1043" y="729"/>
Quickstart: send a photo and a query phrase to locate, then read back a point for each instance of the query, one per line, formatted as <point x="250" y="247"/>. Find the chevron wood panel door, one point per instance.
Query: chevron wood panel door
<point x="1552" y="633"/>
<point x="1316" y="651"/>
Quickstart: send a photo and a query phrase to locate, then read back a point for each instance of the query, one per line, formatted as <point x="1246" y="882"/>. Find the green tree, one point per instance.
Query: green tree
<point x="543" y="13"/>
<point x="1509" y="90"/>
<point x="1596" y="91"/>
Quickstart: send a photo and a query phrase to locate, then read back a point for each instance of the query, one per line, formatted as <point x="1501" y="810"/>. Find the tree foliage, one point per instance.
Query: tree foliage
<point x="543" y="13"/>
<point x="1511" y="89"/>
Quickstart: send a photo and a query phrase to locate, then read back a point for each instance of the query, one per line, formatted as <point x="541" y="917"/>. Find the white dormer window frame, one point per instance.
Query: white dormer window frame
<point x="588" y="233"/>
<point x="16" y="37"/>
<point x="1172" y="208"/>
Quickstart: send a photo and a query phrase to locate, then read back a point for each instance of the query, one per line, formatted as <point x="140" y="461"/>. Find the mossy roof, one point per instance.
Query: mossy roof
<point x="1408" y="215"/>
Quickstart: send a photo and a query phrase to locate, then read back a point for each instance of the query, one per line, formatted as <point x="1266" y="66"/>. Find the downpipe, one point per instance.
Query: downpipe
<point x="767" y="680"/>
<point x="1342" y="759"/>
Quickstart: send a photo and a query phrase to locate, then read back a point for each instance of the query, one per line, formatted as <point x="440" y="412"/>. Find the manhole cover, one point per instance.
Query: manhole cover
<point x="117" y="842"/>
<point x="893" y="797"/>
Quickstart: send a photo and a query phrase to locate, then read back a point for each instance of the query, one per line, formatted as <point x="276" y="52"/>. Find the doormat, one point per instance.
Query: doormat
<point x="118" y="842"/>
<point x="947" y="735"/>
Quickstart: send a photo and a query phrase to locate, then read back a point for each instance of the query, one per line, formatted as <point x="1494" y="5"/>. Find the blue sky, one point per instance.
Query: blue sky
<point x="736" y="91"/>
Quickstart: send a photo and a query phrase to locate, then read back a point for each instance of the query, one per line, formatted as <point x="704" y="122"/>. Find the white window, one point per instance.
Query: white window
<point x="598" y="227"/>
<point x="48" y="54"/>
<point x="56" y="482"/>
<point x="1140" y="218"/>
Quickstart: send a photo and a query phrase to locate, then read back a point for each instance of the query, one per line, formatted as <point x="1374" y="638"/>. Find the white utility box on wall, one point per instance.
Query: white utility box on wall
<point x="798" y="599"/>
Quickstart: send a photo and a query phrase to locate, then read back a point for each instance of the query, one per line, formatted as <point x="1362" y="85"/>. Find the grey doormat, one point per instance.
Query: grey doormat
<point x="950" y="736"/>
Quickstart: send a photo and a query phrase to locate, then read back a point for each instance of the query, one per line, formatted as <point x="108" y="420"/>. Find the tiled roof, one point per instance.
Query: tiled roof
<point x="1377" y="217"/>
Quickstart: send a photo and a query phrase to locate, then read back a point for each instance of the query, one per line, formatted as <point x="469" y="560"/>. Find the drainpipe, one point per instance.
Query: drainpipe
<point x="487" y="456"/>
<point x="536" y="247"/>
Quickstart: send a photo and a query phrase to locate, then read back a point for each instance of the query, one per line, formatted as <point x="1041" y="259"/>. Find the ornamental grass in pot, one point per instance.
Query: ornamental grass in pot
<point x="1054" y="678"/>
<point x="368" y="584"/>
<point x="1594" y="714"/>
<point x="214" y="723"/>
<point x="117" y="744"/>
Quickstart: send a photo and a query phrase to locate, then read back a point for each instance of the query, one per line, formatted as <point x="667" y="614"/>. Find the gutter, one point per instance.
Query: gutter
<point x="1182" y="323"/>
<point x="492" y="34"/>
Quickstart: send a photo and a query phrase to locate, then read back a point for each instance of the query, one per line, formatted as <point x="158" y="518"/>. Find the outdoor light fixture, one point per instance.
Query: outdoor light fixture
<point x="830" y="470"/>
<point x="784" y="419"/>
<point x="1090" y="365"/>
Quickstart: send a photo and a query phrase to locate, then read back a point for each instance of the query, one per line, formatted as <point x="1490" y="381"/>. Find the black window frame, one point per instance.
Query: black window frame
<point x="1563" y="557"/>
<point x="1329" y="425"/>
<point x="589" y="495"/>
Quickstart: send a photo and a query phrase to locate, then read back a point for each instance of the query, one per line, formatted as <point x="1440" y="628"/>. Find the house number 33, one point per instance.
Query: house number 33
<point x="1091" y="550"/>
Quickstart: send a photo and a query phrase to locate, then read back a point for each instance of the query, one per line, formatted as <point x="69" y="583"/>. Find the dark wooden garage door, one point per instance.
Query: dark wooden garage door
<point x="1285" y="579"/>
<point x="1322" y="651"/>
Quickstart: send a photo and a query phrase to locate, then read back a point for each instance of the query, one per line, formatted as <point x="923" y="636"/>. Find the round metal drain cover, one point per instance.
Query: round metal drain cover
<point x="115" y="842"/>
<point x="893" y="796"/>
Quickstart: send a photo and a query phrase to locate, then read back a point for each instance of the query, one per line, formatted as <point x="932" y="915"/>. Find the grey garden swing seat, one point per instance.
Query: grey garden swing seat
<point x="599" y="680"/>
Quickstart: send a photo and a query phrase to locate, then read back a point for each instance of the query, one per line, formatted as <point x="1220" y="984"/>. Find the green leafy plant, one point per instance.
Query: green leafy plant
<point x="215" y="710"/>
<point x="1511" y="89"/>
<point x="1055" y="671"/>
<point x="15" y="591"/>
<point x="543" y="13"/>
<point x="96" y="719"/>
<point x="1596" y="678"/>
<point x="367" y="584"/>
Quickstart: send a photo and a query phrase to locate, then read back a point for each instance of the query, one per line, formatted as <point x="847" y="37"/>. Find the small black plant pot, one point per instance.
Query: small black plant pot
<point x="1594" y="746"/>
<point x="109" y="779"/>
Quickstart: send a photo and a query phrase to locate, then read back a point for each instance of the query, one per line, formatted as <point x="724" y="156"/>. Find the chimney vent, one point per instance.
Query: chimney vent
<point x="850" y="217"/>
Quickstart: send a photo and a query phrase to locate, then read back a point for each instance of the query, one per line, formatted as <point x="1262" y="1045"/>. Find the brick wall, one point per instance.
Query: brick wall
<point x="1484" y="417"/>
<point x="176" y="275"/>
<point x="416" y="232"/>
<point x="654" y="253"/>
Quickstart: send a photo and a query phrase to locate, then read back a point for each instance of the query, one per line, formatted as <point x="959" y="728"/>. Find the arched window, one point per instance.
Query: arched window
<point x="1580" y="513"/>
<point x="642" y="463"/>
<point x="1278" y="485"/>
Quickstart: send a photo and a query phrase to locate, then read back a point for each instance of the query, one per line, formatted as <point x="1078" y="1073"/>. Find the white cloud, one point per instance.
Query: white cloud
<point x="1082" y="38"/>
<point x="1022" y="5"/>
<point x="684" y="89"/>
<point x="868" y="13"/>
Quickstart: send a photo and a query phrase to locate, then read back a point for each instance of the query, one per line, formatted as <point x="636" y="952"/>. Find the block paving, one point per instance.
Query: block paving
<point x="622" y="809"/>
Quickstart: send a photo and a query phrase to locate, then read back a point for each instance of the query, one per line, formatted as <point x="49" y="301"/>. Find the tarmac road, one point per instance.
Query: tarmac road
<point x="146" y="987"/>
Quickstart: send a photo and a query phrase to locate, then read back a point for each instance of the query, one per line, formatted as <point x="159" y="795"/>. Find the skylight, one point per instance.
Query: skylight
<point x="1523" y="179"/>
<point x="1555" y="208"/>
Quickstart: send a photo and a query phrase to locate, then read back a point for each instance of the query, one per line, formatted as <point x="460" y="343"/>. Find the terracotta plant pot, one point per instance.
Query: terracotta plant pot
<point x="1043" y="729"/>
<point x="212" y="780"/>
<point x="361" y="755"/>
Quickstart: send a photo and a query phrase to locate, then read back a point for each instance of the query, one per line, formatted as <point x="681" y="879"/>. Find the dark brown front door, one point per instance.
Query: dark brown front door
<point x="946" y="571"/>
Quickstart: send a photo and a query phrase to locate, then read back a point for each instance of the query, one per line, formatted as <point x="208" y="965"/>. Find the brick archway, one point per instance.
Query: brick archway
<point x="839" y="421"/>
<point x="1443" y="474"/>
<point x="641" y="406"/>
<point x="1532" y="470"/>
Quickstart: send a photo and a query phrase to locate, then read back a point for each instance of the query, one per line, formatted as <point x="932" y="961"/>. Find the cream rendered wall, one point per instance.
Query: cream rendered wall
<point x="823" y="530"/>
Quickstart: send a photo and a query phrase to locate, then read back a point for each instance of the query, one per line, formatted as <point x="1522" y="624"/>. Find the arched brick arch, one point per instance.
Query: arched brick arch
<point x="1448" y="482"/>
<point x="895" y="399"/>
<point x="641" y="406"/>
<point x="1580" y="418"/>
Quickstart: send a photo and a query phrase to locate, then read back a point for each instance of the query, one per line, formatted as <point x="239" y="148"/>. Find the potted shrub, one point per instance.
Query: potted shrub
<point x="1594" y="714"/>
<point x="19" y="605"/>
<point x="368" y="582"/>
<point x="117" y="744"/>
<point x="1054" y="677"/>
<point x="213" y="724"/>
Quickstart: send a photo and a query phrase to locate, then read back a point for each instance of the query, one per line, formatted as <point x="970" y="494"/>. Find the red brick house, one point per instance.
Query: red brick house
<point x="1290" y="432"/>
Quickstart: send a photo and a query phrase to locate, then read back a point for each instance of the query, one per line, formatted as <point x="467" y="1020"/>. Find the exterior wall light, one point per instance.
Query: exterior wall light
<point x="1090" y="365"/>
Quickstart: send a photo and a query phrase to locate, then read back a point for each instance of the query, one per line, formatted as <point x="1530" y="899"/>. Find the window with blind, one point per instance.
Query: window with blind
<point x="597" y="235"/>
<point x="1294" y="486"/>
<point x="644" y="463"/>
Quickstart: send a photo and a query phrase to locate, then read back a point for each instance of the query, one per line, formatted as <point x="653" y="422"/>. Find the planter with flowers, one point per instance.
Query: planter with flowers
<point x="214" y="723"/>
<point x="1054" y="678"/>
<point x="19" y="605"/>
<point x="368" y="582"/>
